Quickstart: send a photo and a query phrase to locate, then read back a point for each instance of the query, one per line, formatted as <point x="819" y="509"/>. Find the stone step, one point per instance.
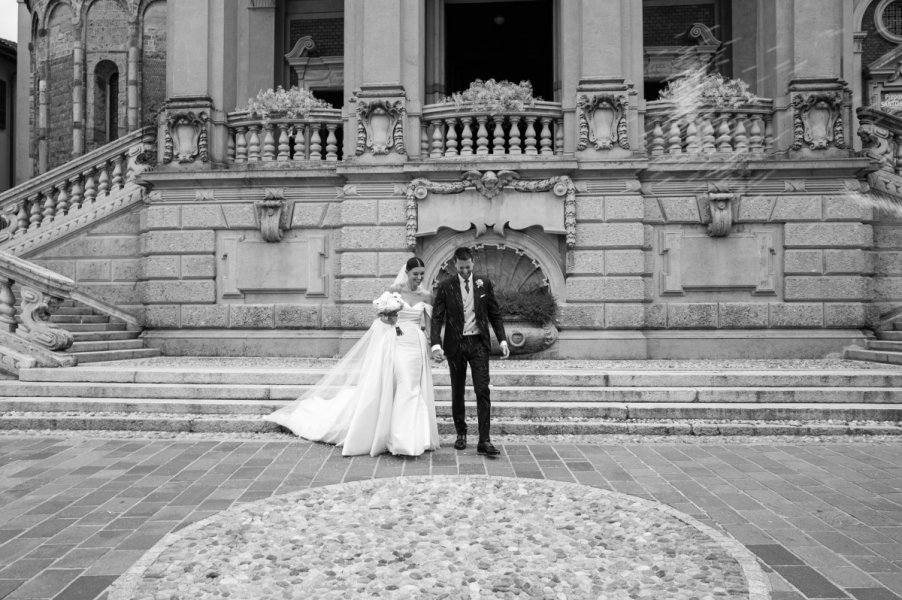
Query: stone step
<point x="887" y="345"/>
<point x="890" y="335"/>
<point x="74" y="310"/>
<point x="94" y="346"/>
<point x="67" y="319"/>
<point x="108" y="355"/>
<point x="893" y="358"/>
<point x="80" y="327"/>
<point x="500" y="377"/>
<point x="95" y="336"/>
<point x="500" y="394"/>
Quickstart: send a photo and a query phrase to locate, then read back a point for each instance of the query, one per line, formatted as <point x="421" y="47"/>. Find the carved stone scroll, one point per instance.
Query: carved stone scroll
<point x="34" y="320"/>
<point x="273" y="215"/>
<point x="720" y="207"/>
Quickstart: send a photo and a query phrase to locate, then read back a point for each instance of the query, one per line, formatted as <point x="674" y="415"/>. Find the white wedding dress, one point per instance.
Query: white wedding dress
<point x="378" y="398"/>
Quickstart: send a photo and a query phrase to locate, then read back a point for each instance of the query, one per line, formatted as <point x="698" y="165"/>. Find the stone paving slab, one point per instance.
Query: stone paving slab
<point x="823" y="516"/>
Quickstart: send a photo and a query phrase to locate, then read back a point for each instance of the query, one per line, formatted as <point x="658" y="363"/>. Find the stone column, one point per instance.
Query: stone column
<point x="257" y="32"/>
<point x="134" y="108"/>
<point x="24" y="164"/>
<point x="78" y="99"/>
<point x="42" y="127"/>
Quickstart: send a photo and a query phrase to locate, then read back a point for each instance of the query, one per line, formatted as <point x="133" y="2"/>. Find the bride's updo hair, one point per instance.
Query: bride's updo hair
<point x="415" y="262"/>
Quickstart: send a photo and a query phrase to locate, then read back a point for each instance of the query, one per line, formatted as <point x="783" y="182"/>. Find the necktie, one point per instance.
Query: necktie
<point x="467" y="285"/>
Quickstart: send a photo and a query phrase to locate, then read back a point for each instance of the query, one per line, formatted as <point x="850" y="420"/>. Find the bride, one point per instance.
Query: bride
<point x="379" y="397"/>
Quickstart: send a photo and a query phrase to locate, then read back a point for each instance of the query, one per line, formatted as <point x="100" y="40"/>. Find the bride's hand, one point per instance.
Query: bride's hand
<point x="389" y="319"/>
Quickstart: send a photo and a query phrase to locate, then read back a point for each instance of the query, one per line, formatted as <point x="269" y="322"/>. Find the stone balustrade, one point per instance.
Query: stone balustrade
<point x="75" y="187"/>
<point x="676" y="131"/>
<point x="283" y="139"/>
<point x="449" y="131"/>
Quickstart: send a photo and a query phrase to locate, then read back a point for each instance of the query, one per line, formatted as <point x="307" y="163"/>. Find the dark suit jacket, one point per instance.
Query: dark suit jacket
<point x="448" y="310"/>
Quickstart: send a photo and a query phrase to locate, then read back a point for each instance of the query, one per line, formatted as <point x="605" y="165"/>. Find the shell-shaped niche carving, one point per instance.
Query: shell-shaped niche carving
<point x="509" y="269"/>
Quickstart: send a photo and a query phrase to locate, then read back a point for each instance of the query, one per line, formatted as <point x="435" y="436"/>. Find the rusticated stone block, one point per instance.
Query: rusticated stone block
<point x="393" y="212"/>
<point x="607" y="289"/>
<point x="240" y="216"/>
<point x="92" y="270"/>
<point x="66" y="268"/>
<point x="612" y="235"/>
<point x="124" y="224"/>
<point x="582" y="316"/>
<point x="743" y="315"/>
<point x="357" y="316"/>
<point x="120" y="294"/>
<point x="632" y="316"/>
<point x="653" y="212"/>
<point x="826" y="288"/>
<point x="297" y="316"/>
<point x="797" y="208"/>
<point x="682" y="209"/>
<point x="590" y="208"/>
<point x="203" y="216"/>
<point x="859" y="262"/>
<point x="161" y="317"/>
<point x="251" y="316"/>
<point x="359" y="212"/>
<point x="828" y="235"/>
<point x="198" y="266"/>
<point x="361" y="290"/>
<point x="888" y="238"/>
<point x="372" y="238"/>
<point x="803" y="262"/>
<point x="797" y="315"/>
<point x="357" y="263"/>
<point x="311" y="214"/>
<point x="124" y="270"/>
<point x="159" y="267"/>
<point x="701" y="315"/>
<point x="391" y="262"/>
<point x="588" y="262"/>
<point x="755" y="209"/>
<point x="178" y="242"/>
<point x="161" y="217"/>
<point x="888" y="263"/>
<point x="90" y="247"/>
<point x="847" y="208"/>
<point x="887" y="289"/>
<point x="621" y="208"/>
<point x="845" y="315"/>
<point x="331" y="316"/>
<point x="176" y="291"/>
<point x="205" y="316"/>
<point x="626" y="262"/>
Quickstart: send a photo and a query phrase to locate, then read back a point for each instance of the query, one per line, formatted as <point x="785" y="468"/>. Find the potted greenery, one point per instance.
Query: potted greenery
<point x="494" y="97"/>
<point x="698" y="88"/>
<point x="529" y="319"/>
<point x="292" y="103"/>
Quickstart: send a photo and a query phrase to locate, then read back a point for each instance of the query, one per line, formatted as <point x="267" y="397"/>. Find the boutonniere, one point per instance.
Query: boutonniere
<point x="479" y="283"/>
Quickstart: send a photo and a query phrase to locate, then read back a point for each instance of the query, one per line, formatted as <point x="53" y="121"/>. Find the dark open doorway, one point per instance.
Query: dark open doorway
<point x="500" y="40"/>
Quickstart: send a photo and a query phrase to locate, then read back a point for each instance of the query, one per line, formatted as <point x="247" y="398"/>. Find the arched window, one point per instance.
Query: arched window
<point x="106" y="102"/>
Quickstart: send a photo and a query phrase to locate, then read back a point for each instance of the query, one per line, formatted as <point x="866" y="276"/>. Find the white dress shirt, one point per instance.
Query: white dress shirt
<point x="469" y="303"/>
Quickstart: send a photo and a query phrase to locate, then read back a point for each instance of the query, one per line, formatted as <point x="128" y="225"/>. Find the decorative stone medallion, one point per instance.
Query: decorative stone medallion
<point x="447" y="537"/>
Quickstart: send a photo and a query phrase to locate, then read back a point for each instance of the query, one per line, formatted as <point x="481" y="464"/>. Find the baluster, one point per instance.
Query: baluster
<point x="76" y="198"/>
<point x="530" y="137"/>
<point x="316" y="142"/>
<point x="466" y="142"/>
<point x="768" y="134"/>
<point x="482" y="135"/>
<point x="62" y="199"/>
<point x="253" y="144"/>
<point x="90" y="188"/>
<point x="451" y="137"/>
<point x="707" y="135"/>
<point x="230" y="148"/>
<point x="424" y="139"/>
<point x="117" y="173"/>
<point x="13" y="220"/>
<point x="103" y="180"/>
<point x="756" y="141"/>
<point x="674" y="138"/>
<point x="657" y="139"/>
<point x="331" y="142"/>
<point x="284" y="148"/>
<point x="498" y="140"/>
<point x="740" y="137"/>
<point x="513" y="144"/>
<point x="545" y="137"/>
<point x="300" y="142"/>
<point x="558" y="137"/>
<point x="438" y="142"/>
<point x="7" y="306"/>
<point x="269" y="143"/>
<point x="692" y="142"/>
<point x="723" y="134"/>
<point x="22" y="218"/>
<point x="49" y="206"/>
<point x="241" y="144"/>
<point x="35" y="214"/>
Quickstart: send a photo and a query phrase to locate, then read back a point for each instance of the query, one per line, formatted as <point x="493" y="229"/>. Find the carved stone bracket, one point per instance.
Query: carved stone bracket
<point x="273" y="214"/>
<point x="185" y="138"/>
<point x="880" y="144"/>
<point x="34" y="320"/>
<point x="602" y="121"/>
<point x="817" y="120"/>
<point x="380" y="126"/>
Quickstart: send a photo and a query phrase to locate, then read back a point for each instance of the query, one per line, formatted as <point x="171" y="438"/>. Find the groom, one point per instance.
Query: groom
<point x="466" y="306"/>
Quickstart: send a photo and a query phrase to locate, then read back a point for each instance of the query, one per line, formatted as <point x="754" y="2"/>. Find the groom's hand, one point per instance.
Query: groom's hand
<point x="437" y="353"/>
<point x="505" y="351"/>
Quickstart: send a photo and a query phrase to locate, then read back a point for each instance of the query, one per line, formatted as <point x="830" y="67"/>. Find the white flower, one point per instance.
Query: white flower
<point x="479" y="283"/>
<point x="388" y="303"/>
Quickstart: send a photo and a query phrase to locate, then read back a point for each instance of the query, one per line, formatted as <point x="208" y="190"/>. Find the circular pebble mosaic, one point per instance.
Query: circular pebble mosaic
<point x="470" y="537"/>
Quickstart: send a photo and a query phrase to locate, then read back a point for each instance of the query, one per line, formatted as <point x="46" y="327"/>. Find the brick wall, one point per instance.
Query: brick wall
<point x="327" y="33"/>
<point x="61" y="35"/>
<point x="154" y="61"/>
<point x="667" y="25"/>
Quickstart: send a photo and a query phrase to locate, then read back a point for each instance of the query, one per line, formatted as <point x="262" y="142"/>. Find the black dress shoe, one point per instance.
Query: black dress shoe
<point x="487" y="449"/>
<point x="461" y="442"/>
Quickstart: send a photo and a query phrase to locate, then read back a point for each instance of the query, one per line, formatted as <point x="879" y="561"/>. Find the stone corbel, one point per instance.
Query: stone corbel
<point x="273" y="214"/>
<point x="380" y="127"/>
<point x="185" y="138"/>
<point x="602" y="121"/>
<point x="817" y="120"/>
<point x="720" y="206"/>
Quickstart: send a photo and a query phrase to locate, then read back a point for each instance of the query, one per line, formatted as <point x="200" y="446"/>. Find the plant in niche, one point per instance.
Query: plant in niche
<point x="536" y="306"/>
<point x="696" y="87"/>
<point x="293" y="103"/>
<point x="494" y="97"/>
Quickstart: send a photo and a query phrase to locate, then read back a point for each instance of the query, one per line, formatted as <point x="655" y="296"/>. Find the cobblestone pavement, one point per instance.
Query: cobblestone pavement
<point x="823" y="517"/>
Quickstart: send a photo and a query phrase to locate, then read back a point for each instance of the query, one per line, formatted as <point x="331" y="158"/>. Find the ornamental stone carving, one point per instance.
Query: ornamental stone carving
<point x="879" y="144"/>
<point x="817" y="121"/>
<point x="602" y="121"/>
<point x="273" y="214"/>
<point x="34" y="320"/>
<point x="720" y="207"/>
<point x="185" y="138"/>
<point x="315" y="72"/>
<point x="380" y="127"/>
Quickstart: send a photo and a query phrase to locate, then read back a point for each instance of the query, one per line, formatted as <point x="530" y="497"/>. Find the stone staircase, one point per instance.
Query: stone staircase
<point x="182" y="394"/>
<point x="887" y="348"/>
<point x="99" y="337"/>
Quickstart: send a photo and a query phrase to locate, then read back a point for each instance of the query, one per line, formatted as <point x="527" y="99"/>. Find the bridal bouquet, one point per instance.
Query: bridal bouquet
<point x="388" y="304"/>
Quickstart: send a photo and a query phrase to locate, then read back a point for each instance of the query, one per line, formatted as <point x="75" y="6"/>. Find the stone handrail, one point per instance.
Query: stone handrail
<point x="449" y="131"/>
<point x="283" y="139"/>
<point x="74" y="191"/>
<point x="675" y="131"/>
